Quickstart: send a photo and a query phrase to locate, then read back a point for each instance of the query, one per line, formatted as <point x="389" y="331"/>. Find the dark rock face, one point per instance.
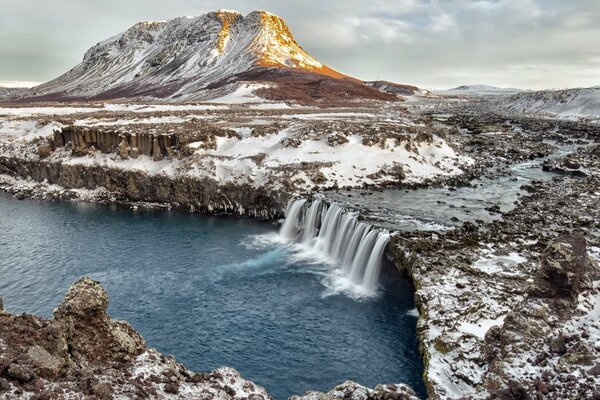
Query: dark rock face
<point x="130" y="142"/>
<point x="187" y="193"/>
<point x="92" y="336"/>
<point x="564" y="270"/>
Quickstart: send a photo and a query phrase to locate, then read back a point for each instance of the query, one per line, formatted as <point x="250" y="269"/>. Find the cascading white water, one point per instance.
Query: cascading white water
<point x="289" y="229"/>
<point x="372" y="272"/>
<point x="337" y="234"/>
<point x="312" y="219"/>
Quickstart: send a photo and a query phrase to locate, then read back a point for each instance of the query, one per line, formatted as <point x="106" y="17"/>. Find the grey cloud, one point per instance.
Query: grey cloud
<point x="431" y="43"/>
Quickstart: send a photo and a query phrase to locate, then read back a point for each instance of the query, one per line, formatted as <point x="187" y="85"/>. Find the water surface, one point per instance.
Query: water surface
<point x="212" y="292"/>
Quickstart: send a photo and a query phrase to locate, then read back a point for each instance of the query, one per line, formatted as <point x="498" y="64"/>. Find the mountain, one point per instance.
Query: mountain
<point x="565" y="103"/>
<point x="392" y="87"/>
<point x="11" y="93"/>
<point x="481" y="90"/>
<point x="199" y="58"/>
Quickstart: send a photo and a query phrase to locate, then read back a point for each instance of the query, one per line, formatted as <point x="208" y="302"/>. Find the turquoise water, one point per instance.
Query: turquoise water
<point x="212" y="291"/>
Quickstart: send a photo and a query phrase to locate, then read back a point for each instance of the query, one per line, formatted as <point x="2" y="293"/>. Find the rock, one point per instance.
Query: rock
<point x="595" y="370"/>
<point x="102" y="391"/>
<point x="578" y="354"/>
<point x="172" y="388"/>
<point x="353" y="391"/>
<point x="394" y="392"/>
<point x="558" y="345"/>
<point x="19" y="372"/>
<point x="156" y="153"/>
<point x="82" y="353"/>
<point x="514" y="391"/>
<point x="44" y="364"/>
<point x="564" y="270"/>
<point x="1" y="306"/>
<point x="319" y="178"/>
<point x="570" y="164"/>
<point x="44" y="150"/>
<point x="92" y="336"/>
<point x="123" y="150"/>
<point x="350" y="390"/>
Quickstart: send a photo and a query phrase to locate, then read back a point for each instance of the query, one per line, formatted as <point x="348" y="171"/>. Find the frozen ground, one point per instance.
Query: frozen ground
<point x="266" y="145"/>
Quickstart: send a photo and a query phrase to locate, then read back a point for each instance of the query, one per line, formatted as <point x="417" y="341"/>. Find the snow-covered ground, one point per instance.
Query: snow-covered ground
<point x="309" y="148"/>
<point x="568" y="103"/>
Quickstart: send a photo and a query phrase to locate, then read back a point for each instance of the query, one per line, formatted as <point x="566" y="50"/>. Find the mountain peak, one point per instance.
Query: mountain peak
<point x="183" y="57"/>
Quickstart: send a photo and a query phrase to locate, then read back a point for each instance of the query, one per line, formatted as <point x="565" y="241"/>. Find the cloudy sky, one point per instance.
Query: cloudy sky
<point x="430" y="43"/>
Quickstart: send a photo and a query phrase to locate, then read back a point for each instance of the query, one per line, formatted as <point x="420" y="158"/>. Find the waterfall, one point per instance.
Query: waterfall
<point x="289" y="229"/>
<point x="338" y="234"/>
<point x="312" y="218"/>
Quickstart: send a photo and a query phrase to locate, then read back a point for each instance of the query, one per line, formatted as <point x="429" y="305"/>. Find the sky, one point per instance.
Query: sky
<point x="530" y="44"/>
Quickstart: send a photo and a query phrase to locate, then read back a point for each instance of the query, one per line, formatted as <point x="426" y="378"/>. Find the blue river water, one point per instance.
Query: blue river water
<point x="211" y="291"/>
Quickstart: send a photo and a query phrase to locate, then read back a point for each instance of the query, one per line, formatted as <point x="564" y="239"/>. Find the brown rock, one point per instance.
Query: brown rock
<point x="172" y="388"/>
<point x="102" y="391"/>
<point x="558" y="345"/>
<point x="92" y="336"/>
<point x="19" y="372"/>
<point x="565" y="268"/>
<point x="44" y="364"/>
<point x="44" y="150"/>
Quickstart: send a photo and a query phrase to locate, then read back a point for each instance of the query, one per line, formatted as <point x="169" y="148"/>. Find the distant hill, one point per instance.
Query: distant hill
<point x="565" y="103"/>
<point x="481" y="90"/>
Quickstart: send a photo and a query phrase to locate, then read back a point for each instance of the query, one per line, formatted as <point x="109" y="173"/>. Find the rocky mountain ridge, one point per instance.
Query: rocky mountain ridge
<point x="201" y="58"/>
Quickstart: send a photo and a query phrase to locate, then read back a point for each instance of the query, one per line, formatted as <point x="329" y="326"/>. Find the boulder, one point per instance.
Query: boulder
<point x="565" y="269"/>
<point x="92" y="335"/>
<point x="43" y="363"/>
<point x="44" y="150"/>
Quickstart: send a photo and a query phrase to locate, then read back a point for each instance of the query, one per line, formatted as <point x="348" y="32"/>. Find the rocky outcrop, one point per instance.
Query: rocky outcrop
<point x="83" y="353"/>
<point x="135" y="186"/>
<point x="91" y="335"/>
<point x="540" y="325"/>
<point x="565" y="270"/>
<point x="353" y="391"/>
<point x="132" y="142"/>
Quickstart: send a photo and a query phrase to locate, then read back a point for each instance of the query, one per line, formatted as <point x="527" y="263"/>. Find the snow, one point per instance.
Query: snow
<point x="27" y="129"/>
<point x="346" y="164"/>
<point x="493" y="264"/>
<point x="480" y="328"/>
<point x="242" y="94"/>
<point x="293" y="154"/>
<point x="33" y="111"/>
<point x="567" y="104"/>
<point x="478" y="90"/>
<point x="18" y="84"/>
<point x="107" y="107"/>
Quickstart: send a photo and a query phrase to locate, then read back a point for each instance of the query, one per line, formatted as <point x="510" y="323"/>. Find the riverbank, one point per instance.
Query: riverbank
<point x="510" y="307"/>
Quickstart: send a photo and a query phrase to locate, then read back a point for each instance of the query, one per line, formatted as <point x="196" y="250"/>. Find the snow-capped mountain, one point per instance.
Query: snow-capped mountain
<point x="565" y="103"/>
<point x="479" y="90"/>
<point x="10" y="93"/>
<point x="198" y="58"/>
